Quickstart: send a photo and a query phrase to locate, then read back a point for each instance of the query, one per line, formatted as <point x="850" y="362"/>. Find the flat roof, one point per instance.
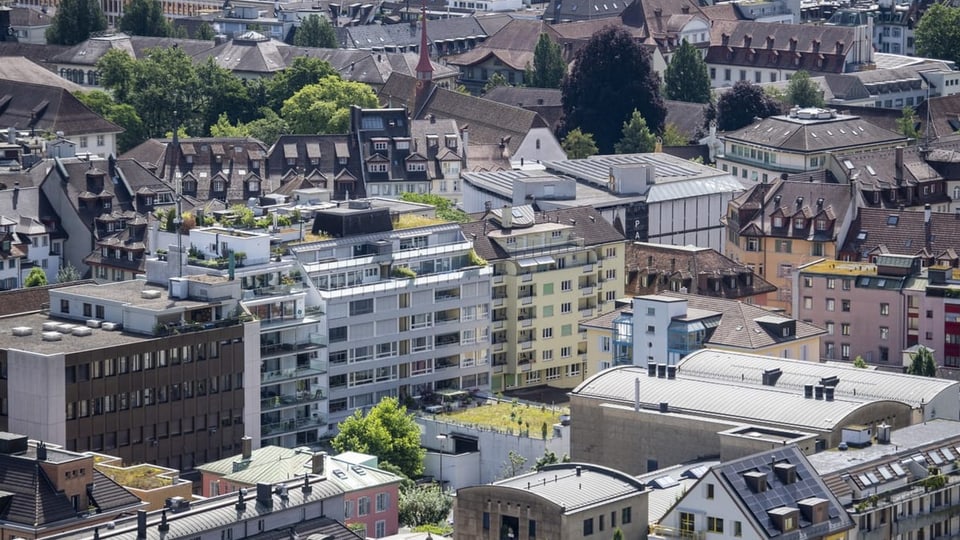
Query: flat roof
<point x="840" y="268"/>
<point x="34" y="343"/>
<point x="575" y="485"/>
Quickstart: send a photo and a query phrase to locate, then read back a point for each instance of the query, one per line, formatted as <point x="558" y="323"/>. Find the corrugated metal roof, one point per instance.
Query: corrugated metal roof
<point x="855" y="383"/>
<point x="562" y="484"/>
<point x="725" y="398"/>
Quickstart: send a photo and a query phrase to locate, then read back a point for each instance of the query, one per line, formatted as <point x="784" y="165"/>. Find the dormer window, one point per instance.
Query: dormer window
<point x="821" y="224"/>
<point x="377" y="167"/>
<point x="798" y="223"/>
<point x="778" y="222"/>
<point x="6" y="245"/>
<point x="253" y="186"/>
<point x="218" y="185"/>
<point x="342" y="160"/>
<point x="106" y="203"/>
<point x="379" y="145"/>
<point x="416" y="166"/>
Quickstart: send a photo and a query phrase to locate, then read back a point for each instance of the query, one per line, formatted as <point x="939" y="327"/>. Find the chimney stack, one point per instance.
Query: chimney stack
<point x="141" y="524"/>
<point x="246" y="448"/>
<point x="898" y="167"/>
<point x="317" y="463"/>
<point x="264" y="494"/>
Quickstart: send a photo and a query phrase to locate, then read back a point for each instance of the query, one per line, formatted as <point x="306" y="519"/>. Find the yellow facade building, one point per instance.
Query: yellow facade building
<point x="552" y="270"/>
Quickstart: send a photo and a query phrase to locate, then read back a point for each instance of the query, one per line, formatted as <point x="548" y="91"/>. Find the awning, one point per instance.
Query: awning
<point x="290" y="151"/>
<point x="526" y="263"/>
<point x="545" y="260"/>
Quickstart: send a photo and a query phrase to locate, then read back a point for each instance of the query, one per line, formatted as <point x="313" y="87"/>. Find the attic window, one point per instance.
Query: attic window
<point x="893" y="220"/>
<point x="778" y="222"/>
<point x="821" y="224"/>
<point x="798" y="223"/>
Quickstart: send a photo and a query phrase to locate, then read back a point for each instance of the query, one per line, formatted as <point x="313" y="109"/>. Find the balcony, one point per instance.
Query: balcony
<point x="447" y="362"/>
<point x="498" y="347"/>
<point x="293" y="424"/>
<point x="499" y="302"/>
<point x="587" y="268"/>
<point x="526" y="300"/>
<point x="450" y="316"/>
<point x="526" y="323"/>
<point x="289" y="400"/>
<point x="660" y="531"/>
<point x="499" y="324"/>
<point x="586" y="291"/>
<point x="498" y="279"/>
<point x="526" y="345"/>
<point x="314" y="367"/>
<point x="526" y="277"/>
<point x="586" y="313"/>
<point x="315" y="341"/>
<point x="446" y="340"/>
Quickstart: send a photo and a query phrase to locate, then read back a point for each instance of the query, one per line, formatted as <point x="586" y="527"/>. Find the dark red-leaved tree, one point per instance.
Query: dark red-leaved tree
<point x="611" y="77"/>
<point x="738" y="106"/>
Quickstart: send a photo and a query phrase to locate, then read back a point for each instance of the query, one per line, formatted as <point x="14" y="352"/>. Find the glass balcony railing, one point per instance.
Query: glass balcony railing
<point x="314" y="341"/>
<point x="314" y="367"/>
<point x="288" y="400"/>
<point x="293" y="424"/>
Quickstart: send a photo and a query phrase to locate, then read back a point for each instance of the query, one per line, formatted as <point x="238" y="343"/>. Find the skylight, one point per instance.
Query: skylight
<point x="893" y="220"/>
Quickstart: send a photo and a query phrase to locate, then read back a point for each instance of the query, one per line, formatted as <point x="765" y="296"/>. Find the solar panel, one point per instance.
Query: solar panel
<point x="873" y="478"/>
<point x="885" y="473"/>
<point x="665" y="482"/>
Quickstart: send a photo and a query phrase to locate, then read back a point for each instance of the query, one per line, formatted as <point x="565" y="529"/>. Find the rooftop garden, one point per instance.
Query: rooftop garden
<point x="142" y="476"/>
<point x="513" y="417"/>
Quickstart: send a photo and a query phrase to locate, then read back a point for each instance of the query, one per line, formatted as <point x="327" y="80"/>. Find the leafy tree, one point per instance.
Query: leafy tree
<point x="445" y="209"/>
<point x="938" y="32"/>
<point x="268" y="128"/>
<point x="495" y="80"/>
<point x="549" y="457"/>
<point x="738" y="106"/>
<point x="205" y="32"/>
<point x="686" y="77"/>
<point x="116" y="70"/>
<point x="548" y="65"/>
<point x="389" y="432"/>
<point x="636" y="136"/>
<point x="223" y="128"/>
<point x="75" y="21"/>
<point x="304" y="71"/>
<point x="923" y="363"/>
<point x="145" y="18"/>
<point x="68" y="273"/>
<point x="36" y="278"/>
<point x="423" y="505"/>
<point x="578" y="145"/>
<point x="325" y="107"/>
<point x="514" y="464"/>
<point x="859" y="362"/>
<point x="121" y="114"/>
<point x="907" y="123"/>
<point x="617" y="534"/>
<point x="673" y="137"/>
<point x="316" y="31"/>
<point x="611" y="78"/>
<point x="803" y="92"/>
<point x="222" y="92"/>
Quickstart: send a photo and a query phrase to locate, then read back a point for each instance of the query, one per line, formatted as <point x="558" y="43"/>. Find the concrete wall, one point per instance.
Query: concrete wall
<point x="37" y="391"/>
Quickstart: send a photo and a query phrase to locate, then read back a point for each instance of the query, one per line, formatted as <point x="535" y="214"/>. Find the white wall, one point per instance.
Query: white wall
<point x="550" y="149"/>
<point x="37" y="390"/>
<point x="691" y="221"/>
<point x="251" y="381"/>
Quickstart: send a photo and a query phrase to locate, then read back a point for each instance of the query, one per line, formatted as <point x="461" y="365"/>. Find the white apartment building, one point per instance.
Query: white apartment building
<point x="407" y="310"/>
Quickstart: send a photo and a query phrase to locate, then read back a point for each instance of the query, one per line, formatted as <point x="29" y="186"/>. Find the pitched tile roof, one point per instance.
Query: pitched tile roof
<point x="48" y="109"/>
<point x="645" y="259"/>
<point x="587" y="223"/>
<point x="21" y="69"/>
<point x="34" y="499"/>
<point x="544" y="101"/>
<point x="686" y="117"/>
<point x="39" y="54"/>
<point x="89" y="52"/>
<point x="789" y="46"/>
<point x="901" y="232"/>
<point x="489" y="122"/>
<point x="841" y="133"/>
<point x="513" y="45"/>
<point x="757" y="206"/>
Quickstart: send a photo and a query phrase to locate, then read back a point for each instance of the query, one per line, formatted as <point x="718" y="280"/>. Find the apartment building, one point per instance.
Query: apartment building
<point x="290" y="350"/>
<point x="146" y="373"/>
<point x="775" y="228"/>
<point x="407" y="309"/>
<point x="551" y="271"/>
<point x="798" y="142"/>
<point x="869" y="310"/>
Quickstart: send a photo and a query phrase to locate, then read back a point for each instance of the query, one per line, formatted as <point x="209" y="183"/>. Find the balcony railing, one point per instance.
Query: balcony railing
<point x="316" y="367"/>
<point x="293" y="424"/>
<point x="288" y="400"/>
<point x="315" y="341"/>
<point x="670" y="532"/>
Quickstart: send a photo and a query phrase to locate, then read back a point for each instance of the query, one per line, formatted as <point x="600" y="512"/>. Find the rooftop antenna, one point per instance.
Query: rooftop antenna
<point x="174" y="151"/>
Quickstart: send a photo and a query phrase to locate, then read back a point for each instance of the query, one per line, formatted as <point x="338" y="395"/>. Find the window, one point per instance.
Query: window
<point x="625" y="516"/>
<point x="831" y="304"/>
<point x="710" y="492"/>
<point x="845" y="305"/>
<point x="565" y="307"/>
<point x="588" y="526"/>
<point x="547" y="333"/>
<point x="715" y="524"/>
<point x="361" y="307"/>
<point x="83" y="142"/>
<point x="547" y="288"/>
<point x="383" y="502"/>
<point x="831" y="283"/>
<point x="363" y="506"/>
<point x="884" y="333"/>
<point x="566" y="285"/>
<point x="884" y="309"/>
<point x="783" y="246"/>
<point x="64" y="306"/>
<point x="830" y="328"/>
<point x="845" y="284"/>
<point x="347" y="509"/>
<point x="807" y="302"/>
<point x="807" y="282"/>
<point x="381" y="528"/>
<point x="687" y="523"/>
<point x="753" y="244"/>
<point x="844" y="329"/>
<point x="844" y="351"/>
<point x="737" y="528"/>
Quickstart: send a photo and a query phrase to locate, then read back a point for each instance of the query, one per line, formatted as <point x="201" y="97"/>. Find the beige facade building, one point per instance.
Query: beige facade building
<point x="551" y="271"/>
<point x="565" y="501"/>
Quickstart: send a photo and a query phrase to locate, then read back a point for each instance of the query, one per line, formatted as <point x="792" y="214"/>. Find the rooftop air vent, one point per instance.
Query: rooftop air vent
<point x="22" y="331"/>
<point x="52" y="336"/>
<point x="82" y="331"/>
<point x="93" y="323"/>
<point x="111" y="326"/>
<point x="150" y="295"/>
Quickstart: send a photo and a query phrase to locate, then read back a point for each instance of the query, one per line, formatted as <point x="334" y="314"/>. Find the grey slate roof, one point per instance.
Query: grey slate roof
<point x="48" y="109"/>
<point x="90" y="51"/>
<point x="33" y="499"/>
<point x="405" y="35"/>
<point x="21" y="69"/>
<point x="563" y="485"/>
<point x="838" y="134"/>
<point x="904" y="235"/>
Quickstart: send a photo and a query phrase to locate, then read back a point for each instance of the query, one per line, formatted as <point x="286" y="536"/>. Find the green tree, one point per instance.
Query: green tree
<point x="423" y="505"/>
<point x="514" y="464"/>
<point x="617" y="534"/>
<point x="738" y="106"/>
<point x="549" y="457"/>
<point x="938" y="32"/>
<point x="315" y="31"/>
<point x="145" y="18"/>
<point x="68" y="273"/>
<point x="121" y="114"/>
<point x="205" y="32"/>
<point x="221" y="92"/>
<point x="325" y="107"/>
<point x="859" y="362"/>
<point x="611" y="78"/>
<point x="673" y="137"/>
<point x="75" y="21"/>
<point x="445" y="208"/>
<point x="116" y="71"/>
<point x="907" y="123"/>
<point x="389" y="432"/>
<point x="636" y="136"/>
<point x="36" y="278"/>
<point x="923" y="363"/>
<point x="268" y="127"/>
<point x="549" y="67"/>
<point x="494" y="81"/>
<point x="803" y="92"/>
<point x="686" y="77"/>
<point x="304" y="71"/>
<point x="578" y="145"/>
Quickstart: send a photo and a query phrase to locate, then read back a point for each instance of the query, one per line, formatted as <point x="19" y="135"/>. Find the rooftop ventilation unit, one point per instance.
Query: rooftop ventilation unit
<point x="52" y="336"/>
<point x="22" y="331"/>
<point x="111" y="326"/>
<point x="82" y="331"/>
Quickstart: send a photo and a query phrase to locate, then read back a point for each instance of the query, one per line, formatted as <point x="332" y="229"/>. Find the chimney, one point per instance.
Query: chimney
<point x="664" y="407"/>
<point x="264" y="494"/>
<point x="725" y="39"/>
<point x="651" y="369"/>
<point x="41" y="451"/>
<point x="808" y="391"/>
<point x="246" y="448"/>
<point x="818" y="391"/>
<point x="839" y="48"/>
<point x="661" y="371"/>
<point x="241" y="504"/>
<point x="927" y="214"/>
<point x="828" y="393"/>
<point x="816" y="45"/>
<point x="671" y="372"/>
<point x="786" y="472"/>
<point x="506" y="217"/>
<point x="770" y="376"/>
<point x="579" y="470"/>
<point x="318" y="462"/>
<point x="636" y="395"/>
<point x="141" y="524"/>
<point x="747" y="39"/>
<point x="898" y="167"/>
